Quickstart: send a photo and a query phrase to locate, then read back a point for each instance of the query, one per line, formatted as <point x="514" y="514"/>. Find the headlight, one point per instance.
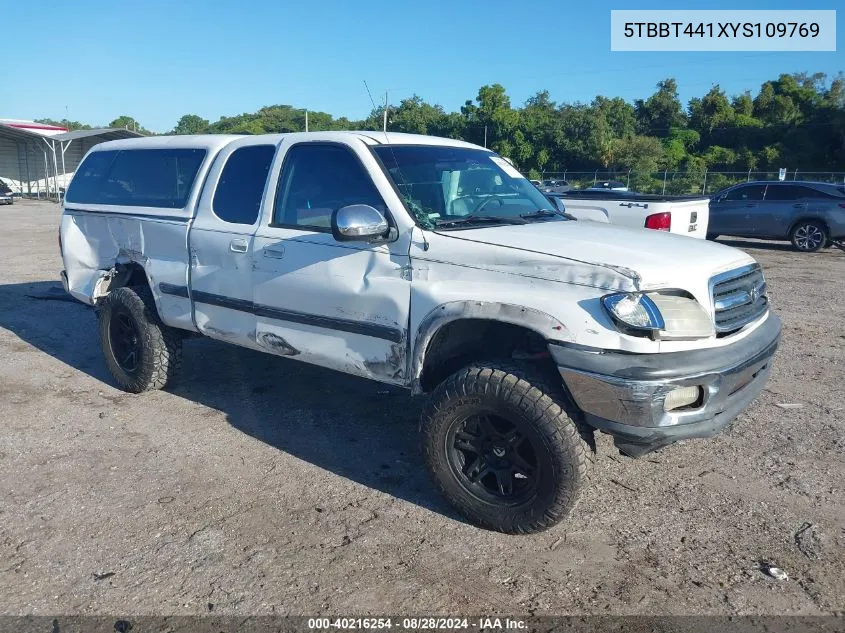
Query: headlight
<point x="634" y="310"/>
<point x="663" y="314"/>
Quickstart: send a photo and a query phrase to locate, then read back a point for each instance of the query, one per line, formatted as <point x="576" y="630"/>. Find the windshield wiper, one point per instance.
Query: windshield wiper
<point x="479" y="219"/>
<point x="547" y="213"/>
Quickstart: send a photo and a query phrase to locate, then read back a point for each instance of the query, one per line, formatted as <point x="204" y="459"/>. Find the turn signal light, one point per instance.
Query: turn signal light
<point x="659" y="221"/>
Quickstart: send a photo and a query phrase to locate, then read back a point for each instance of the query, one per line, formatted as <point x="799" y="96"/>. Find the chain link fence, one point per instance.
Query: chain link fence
<point x="684" y="182"/>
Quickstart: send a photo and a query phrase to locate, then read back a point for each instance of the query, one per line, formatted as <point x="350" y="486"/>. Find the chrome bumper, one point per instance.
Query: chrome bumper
<point x="623" y="394"/>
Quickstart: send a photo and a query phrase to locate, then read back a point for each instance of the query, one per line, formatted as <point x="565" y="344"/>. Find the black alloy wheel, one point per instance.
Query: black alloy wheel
<point x="494" y="459"/>
<point x="125" y="341"/>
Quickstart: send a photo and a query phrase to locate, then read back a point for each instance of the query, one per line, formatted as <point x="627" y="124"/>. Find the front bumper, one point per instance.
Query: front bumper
<point x="623" y="394"/>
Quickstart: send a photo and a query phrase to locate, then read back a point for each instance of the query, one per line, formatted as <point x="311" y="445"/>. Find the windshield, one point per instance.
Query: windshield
<point x="448" y="187"/>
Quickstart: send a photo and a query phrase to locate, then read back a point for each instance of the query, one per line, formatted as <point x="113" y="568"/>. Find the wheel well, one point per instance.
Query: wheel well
<point x="131" y="274"/>
<point x="466" y="340"/>
<point x="136" y="275"/>
<point x="808" y="219"/>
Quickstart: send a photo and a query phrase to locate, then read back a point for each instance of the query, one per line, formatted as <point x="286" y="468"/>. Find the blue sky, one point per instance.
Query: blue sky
<point x="158" y="59"/>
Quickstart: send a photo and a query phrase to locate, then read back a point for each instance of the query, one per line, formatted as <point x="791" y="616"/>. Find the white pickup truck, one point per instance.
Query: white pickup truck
<point x="684" y="215"/>
<point x="431" y="264"/>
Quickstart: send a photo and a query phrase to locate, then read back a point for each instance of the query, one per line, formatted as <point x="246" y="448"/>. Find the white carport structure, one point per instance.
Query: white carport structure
<point x="36" y="165"/>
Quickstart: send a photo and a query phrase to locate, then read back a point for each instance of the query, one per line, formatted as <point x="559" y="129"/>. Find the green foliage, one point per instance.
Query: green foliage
<point x="191" y="124"/>
<point x="793" y="121"/>
<point x="662" y="111"/>
<point x="129" y="123"/>
<point x="70" y="125"/>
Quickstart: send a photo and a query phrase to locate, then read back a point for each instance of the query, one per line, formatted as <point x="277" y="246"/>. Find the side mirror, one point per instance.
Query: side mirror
<point x="358" y="223"/>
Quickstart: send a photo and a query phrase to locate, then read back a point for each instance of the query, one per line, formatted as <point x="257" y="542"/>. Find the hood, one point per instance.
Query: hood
<point x="652" y="259"/>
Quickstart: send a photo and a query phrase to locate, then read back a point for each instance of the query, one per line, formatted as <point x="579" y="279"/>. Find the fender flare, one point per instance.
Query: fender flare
<point x="543" y="324"/>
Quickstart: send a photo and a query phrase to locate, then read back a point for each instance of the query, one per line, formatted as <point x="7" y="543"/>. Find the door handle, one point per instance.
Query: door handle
<point x="751" y="204"/>
<point x="238" y="246"/>
<point x="276" y="252"/>
<point x="799" y="205"/>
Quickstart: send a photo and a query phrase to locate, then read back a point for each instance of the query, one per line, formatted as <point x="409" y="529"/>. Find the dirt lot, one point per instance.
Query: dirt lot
<point x="258" y="485"/>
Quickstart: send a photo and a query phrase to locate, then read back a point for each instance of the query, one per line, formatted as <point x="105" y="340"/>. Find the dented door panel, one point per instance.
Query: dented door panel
<point x="219" y="279"/>
<point x="221" y="243"/>
<point x="342" y="306"/>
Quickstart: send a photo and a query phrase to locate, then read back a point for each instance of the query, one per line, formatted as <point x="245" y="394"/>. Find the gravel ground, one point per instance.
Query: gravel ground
<point x="258" y="485"/>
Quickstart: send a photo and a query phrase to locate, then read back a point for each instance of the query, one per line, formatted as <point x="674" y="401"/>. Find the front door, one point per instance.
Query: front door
<point x="221" y="240"/>
<point x="342" y="305"/>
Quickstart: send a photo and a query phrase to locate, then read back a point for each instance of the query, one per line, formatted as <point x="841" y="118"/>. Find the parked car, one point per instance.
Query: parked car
<point x="6" y="194"/>
<point x="555" y="186"/>
<point x="684" y="215"/>
<point x="430" y="264"/>
<point x="808" y="214"/>
<point x="613" y="185"/>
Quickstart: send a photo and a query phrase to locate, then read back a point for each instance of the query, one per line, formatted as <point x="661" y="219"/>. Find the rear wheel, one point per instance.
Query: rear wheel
<point x="503" y="450"/>
<point x="140" y="351"/>
<point x="808" y="236"/>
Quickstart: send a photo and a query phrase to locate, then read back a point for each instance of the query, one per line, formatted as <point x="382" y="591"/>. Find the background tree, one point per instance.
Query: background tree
<point x="191" y="124"/>
<point x="793" y="121"/>
<point x="129" y="123"/>
<point x="70" y="125"/>
<point x="662" y="111"/>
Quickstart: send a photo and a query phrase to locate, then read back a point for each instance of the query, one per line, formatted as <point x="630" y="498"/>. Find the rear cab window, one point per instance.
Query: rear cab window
<point x="161" y="178"/>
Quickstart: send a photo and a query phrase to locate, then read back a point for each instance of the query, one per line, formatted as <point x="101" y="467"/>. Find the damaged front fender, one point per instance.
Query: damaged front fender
<point x="543" y="324"/>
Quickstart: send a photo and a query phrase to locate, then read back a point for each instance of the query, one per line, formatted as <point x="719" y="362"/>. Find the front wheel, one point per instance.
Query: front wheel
<point x="808" y="236"/>
<point x="503" y="450"/>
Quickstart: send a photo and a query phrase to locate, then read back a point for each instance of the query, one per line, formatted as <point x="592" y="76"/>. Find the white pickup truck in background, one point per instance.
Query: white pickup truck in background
<point x="684" y="215"/>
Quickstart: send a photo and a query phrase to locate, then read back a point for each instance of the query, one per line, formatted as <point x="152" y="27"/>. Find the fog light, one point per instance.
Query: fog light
<point x="681" y="397"/>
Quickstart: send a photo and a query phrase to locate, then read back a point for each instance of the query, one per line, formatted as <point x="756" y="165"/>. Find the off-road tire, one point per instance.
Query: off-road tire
<point x="804" y="245"/>
<point x="160" y="347"/>
<point x="523" y="396"/>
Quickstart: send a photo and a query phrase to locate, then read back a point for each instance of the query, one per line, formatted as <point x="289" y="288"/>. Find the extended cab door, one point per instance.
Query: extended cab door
<point x="221" y="240"/>
<point x="342" y="305"/>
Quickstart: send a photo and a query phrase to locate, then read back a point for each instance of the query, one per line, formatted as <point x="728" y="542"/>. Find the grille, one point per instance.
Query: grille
<point x="739" y="297"/>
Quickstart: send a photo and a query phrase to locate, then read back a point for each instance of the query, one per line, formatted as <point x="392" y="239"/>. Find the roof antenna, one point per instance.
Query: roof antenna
<point x="373" y="101"/>
<point x="385" y="111"/>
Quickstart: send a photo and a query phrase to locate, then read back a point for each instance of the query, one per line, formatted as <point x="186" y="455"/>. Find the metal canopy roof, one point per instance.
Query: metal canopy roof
<point x="106" y="134"/>
<point x="18" y="134"/>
